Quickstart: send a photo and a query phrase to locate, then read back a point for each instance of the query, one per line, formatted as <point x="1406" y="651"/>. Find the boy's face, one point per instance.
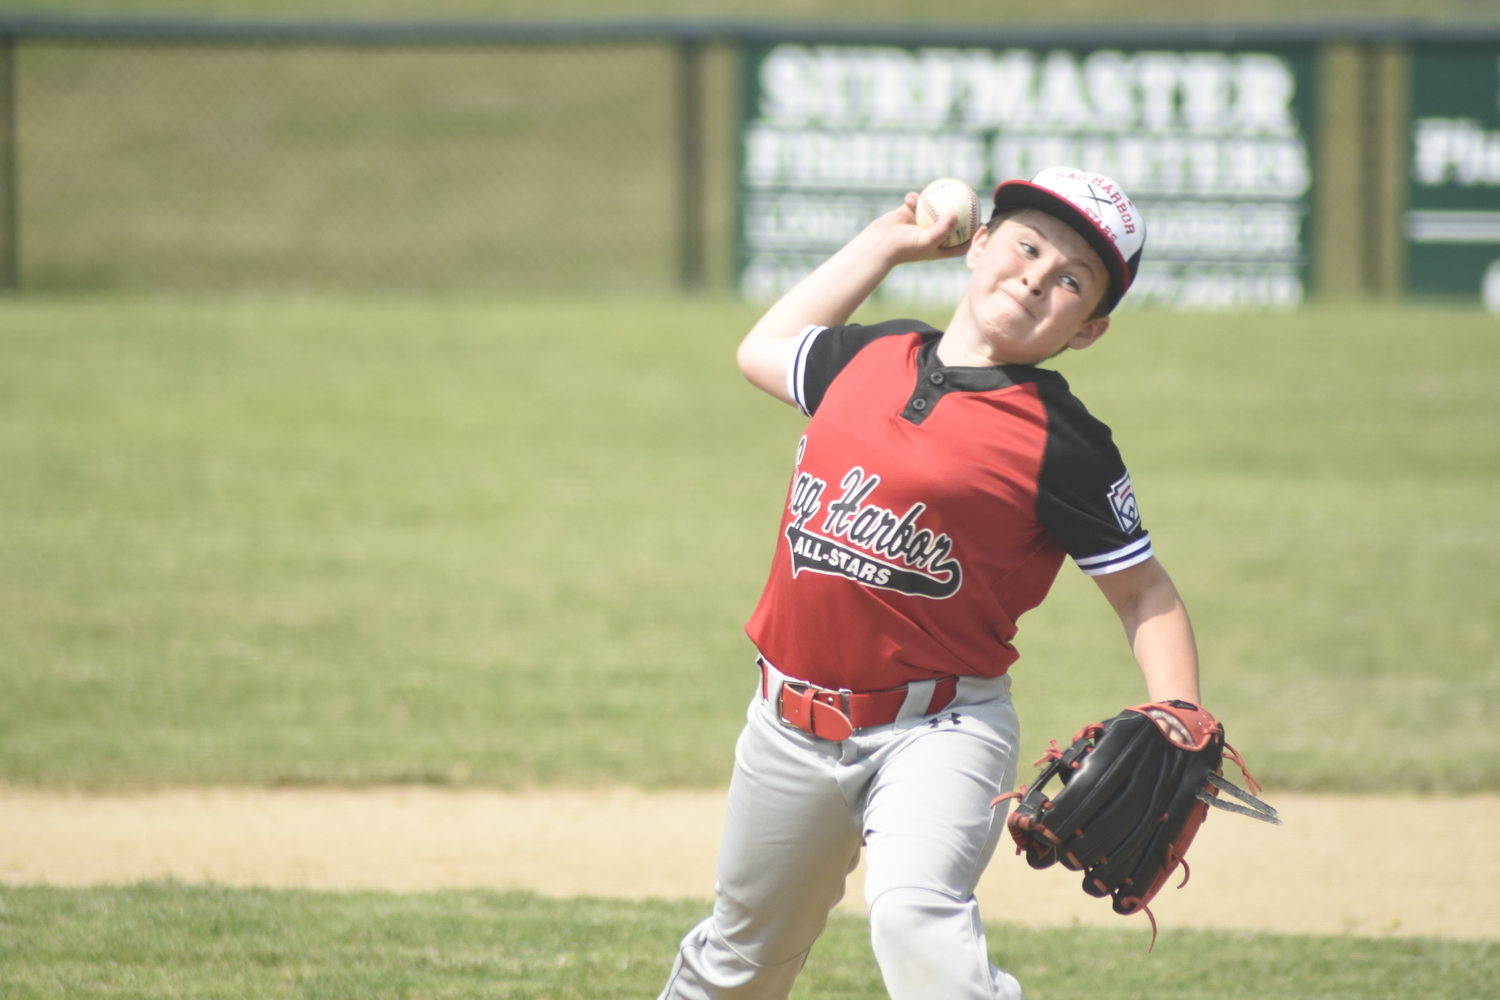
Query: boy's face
<point x="1034" y="285"/>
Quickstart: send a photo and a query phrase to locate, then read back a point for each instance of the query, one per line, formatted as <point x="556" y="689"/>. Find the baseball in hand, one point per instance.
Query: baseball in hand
<point x="949" y="196"/>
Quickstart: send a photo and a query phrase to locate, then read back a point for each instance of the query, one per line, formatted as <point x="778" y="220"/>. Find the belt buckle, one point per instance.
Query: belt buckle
<point x="779" y="701"/>
<point x="844" y="694"/>
<point x="811" y="695"/>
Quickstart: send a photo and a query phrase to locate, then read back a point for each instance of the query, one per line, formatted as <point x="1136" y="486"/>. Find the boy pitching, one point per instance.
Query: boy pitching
<point x="939" y="485"/>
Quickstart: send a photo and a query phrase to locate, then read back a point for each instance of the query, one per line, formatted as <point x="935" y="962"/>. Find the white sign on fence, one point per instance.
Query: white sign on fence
<point x="1212" y="146"/>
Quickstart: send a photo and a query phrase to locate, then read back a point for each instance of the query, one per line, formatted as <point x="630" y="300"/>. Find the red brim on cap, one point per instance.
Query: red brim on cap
<point x="1012" y="195"/>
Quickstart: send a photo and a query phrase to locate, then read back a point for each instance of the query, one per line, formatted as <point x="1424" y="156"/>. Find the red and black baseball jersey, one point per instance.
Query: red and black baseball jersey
<point x="930" y="508"/>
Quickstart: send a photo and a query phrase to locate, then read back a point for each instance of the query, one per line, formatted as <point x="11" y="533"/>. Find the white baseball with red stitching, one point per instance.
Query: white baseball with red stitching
<point x="949" y="196"/>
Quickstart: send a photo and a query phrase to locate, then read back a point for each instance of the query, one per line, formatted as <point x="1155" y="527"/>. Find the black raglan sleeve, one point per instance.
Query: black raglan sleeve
<point x="821" y="352"/>
<point x="1085" y="500"/>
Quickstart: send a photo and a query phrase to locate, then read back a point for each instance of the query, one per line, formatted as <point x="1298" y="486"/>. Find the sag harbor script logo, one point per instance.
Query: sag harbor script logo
<point x="866" y="543"/>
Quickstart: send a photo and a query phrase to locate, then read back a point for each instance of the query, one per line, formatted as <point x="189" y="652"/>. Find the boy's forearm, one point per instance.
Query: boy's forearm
<point x="1157" y="628"/>
<point x="1164" y="647"/>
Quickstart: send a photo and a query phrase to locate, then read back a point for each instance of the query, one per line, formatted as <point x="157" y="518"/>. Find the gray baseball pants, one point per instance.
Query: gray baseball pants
<point x="915" y="795"/>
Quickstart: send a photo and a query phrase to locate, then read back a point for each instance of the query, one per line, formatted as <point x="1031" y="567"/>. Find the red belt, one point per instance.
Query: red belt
<point x="834" y="715"/>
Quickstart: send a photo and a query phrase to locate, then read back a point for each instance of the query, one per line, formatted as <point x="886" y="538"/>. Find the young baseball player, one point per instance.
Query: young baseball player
<point x="939" y="484"/>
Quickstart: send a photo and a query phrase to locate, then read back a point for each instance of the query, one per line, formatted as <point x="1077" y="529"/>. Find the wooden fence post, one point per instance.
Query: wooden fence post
<point x="10" y="222"/>
<point x="690" y="241"/>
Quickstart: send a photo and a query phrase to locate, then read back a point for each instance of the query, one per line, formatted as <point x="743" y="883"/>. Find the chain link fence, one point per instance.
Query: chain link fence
<point x="439" y="169"/>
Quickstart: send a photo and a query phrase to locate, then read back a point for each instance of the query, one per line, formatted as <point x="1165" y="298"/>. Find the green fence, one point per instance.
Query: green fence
<point x="1275" y="163"/>
<point x="446" y="159"/>
<point x="1452" y="221"/>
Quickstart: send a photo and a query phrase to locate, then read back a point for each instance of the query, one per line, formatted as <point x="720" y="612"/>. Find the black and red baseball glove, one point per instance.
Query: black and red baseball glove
<point x="1135" y="788"/>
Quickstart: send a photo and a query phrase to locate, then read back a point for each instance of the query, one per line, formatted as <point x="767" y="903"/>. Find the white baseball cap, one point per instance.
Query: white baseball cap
<point x="1093" y="205"/>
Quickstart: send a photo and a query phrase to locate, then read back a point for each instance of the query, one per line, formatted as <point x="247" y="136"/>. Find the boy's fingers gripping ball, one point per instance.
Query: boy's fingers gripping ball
<point x="949" y="196"/>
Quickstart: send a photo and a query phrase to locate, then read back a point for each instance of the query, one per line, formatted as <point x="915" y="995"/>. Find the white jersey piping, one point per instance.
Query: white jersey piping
<point x="1125" y="557"/>
<point x="796" y="369"/>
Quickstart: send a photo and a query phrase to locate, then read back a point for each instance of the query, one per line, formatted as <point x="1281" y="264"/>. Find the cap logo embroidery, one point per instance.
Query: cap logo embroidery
<point x="1093" y="196"/>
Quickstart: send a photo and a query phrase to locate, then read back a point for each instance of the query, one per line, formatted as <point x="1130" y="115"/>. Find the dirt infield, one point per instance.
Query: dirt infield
<point x="1339" y="865"/>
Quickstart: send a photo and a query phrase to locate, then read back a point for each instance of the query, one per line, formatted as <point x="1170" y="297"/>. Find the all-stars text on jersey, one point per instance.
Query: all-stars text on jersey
<point x="897" y="554"/>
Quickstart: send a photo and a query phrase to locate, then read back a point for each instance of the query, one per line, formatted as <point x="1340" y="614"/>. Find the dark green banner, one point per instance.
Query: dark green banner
<point x="1453" y="201"/>
<point x="1213" y="147"/>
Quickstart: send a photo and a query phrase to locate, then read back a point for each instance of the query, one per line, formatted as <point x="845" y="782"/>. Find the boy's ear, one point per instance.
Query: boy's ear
<point x="1088" y="333"/>
<point x="976" y="246"/>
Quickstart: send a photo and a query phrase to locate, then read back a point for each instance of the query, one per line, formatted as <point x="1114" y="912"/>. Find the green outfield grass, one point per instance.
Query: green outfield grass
<point x="170" y="940"/>
<point x="509" y="544"/>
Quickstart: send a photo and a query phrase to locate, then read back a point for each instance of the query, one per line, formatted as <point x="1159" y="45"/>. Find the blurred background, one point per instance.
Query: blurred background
<point x="1297" y="150"/>
<point x="368" y="412"/>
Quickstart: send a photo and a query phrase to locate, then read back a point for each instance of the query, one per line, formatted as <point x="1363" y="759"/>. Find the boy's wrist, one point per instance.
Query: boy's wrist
<point x="882" y="244"/>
